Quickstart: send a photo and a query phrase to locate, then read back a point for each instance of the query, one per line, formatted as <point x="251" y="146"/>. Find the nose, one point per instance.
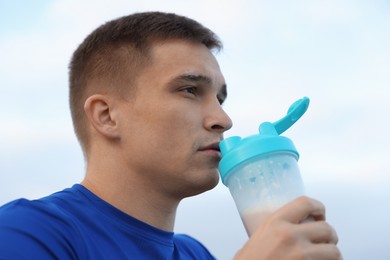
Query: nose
<point x="217" y="120"/>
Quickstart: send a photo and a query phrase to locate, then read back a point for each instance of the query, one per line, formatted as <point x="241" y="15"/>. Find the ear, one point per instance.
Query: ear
<point x="100" y="113"/>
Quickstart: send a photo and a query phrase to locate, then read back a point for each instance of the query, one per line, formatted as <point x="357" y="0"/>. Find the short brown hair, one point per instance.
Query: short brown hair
<point x="110" y="57"/>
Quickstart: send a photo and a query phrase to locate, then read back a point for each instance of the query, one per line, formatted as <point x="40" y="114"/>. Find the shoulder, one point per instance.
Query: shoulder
<point x="191" y="248"/>
<point x="44" y="211"/>
<point x="41" y="227"/>
<point x="26" y="213"/>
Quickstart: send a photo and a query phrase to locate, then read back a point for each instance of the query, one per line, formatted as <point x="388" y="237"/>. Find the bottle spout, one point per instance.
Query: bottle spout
<point x="295" y="111"/>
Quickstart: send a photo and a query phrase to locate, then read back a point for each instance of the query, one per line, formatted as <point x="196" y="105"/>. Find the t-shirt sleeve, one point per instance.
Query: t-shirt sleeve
<point x="29" y="232"/>
<point x="17" y="244"/>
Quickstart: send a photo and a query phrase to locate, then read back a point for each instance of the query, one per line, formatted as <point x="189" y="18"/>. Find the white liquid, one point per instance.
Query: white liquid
<point x="252" y="217"/>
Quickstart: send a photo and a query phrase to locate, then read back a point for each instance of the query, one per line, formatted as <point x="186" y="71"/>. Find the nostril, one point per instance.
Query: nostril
<point x="217" y="127"/>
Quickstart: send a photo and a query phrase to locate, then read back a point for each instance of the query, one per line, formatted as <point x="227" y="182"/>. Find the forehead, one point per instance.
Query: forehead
<point x="172" y="58"/>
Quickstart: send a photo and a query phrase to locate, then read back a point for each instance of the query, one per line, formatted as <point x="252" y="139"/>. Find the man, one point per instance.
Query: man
<point x="145" y="96"/>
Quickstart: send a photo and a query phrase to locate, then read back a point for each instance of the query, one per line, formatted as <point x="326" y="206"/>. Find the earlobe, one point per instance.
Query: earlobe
<point x="99" y="111"/>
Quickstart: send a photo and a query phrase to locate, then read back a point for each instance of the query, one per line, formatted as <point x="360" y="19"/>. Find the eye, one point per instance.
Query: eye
<point x="220" y="100"/>
<point x="190" y="90"/>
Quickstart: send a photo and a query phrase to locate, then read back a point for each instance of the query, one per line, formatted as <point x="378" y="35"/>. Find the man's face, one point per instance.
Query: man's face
<point x="171" y="129"/>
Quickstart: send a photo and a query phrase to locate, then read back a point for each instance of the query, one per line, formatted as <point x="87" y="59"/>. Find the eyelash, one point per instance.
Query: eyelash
<point x="194" y="91"/>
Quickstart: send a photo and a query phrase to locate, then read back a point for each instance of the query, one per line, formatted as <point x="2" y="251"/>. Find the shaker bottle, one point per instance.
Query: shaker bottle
<point x="261" y="170"/>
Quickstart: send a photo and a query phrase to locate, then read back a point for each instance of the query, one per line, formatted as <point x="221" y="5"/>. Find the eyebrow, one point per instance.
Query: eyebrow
<point x="222" y="94"/>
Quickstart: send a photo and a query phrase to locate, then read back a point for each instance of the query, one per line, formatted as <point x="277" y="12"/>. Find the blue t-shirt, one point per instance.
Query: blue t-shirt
<point x="76" y="224"/>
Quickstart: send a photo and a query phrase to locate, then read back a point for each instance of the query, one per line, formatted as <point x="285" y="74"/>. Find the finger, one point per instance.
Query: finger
<point x="319" y="232"/>
<point x="301" y="208"/>
<point x="323" y="251"/>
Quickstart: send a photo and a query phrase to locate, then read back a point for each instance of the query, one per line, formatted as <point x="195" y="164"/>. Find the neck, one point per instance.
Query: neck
<point x="130" y="194"/>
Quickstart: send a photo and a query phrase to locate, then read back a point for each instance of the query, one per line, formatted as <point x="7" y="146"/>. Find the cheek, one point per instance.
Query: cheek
<point x="165" y="129"/>
<point x="178" y="121"/>
<point x="176" y="138"/>
<point x="176" y="131"/>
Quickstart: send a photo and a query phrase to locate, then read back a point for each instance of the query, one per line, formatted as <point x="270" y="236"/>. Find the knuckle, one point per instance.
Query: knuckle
<point x="312" y="204"/>
<point x="331" y="233"/>
<point x="300" y="253"/>
<point x="337" y="253"/>
<point x="287" y="235"/>
<point x="326" y="233"/>
<point x="335" y="236"/>
<point x="309" y="202"/>
<point x="304" y="199"/>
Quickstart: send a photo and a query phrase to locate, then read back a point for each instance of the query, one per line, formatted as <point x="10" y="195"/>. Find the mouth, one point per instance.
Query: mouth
<point x="212" y="150"/>
<point x="213" y="146"/>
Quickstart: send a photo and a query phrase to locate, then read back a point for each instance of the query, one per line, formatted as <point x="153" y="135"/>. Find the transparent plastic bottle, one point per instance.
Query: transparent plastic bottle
<point x="261" y="171"/>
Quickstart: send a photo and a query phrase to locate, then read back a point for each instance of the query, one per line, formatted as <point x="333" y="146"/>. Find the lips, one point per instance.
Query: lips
<point x="213" y="146"/>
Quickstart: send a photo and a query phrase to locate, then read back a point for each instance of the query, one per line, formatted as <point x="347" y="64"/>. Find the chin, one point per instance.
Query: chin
<point x="202" y="185"/>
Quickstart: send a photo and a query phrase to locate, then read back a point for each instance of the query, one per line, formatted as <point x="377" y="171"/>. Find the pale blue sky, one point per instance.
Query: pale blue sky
<point x="335" y="52"/>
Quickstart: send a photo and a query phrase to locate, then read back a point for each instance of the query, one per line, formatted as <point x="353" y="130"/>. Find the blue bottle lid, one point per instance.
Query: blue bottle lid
<point x="236" y="150"/>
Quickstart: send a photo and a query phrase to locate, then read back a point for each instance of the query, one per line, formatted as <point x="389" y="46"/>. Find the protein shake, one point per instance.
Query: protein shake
<point x="261" y="171"/>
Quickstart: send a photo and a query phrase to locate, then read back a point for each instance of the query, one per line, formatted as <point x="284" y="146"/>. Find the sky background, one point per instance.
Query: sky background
<point x="336" y="52"/>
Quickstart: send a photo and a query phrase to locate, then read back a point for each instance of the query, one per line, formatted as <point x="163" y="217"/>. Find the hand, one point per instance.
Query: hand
<point x="296" y="231"/>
